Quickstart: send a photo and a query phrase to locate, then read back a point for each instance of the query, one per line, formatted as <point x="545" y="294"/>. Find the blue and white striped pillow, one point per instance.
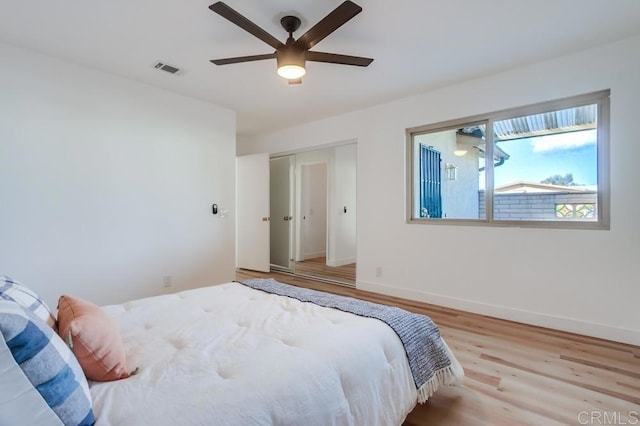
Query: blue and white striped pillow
<point x="41" y="381"/>
<point x="19" y="293"/>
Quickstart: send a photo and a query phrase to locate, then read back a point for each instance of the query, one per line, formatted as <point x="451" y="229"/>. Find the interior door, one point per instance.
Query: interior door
<point x="252" y="207"/>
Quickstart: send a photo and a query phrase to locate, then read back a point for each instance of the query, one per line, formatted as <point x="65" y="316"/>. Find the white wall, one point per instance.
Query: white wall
<point x="592" y="288"/>
<point x="106" y="185"/>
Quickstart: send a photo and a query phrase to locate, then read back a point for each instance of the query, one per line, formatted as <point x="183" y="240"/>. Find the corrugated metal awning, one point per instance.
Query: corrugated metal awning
<point x="548" y="123"/>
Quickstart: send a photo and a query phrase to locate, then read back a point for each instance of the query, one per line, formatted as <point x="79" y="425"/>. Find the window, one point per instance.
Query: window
<point x="544" y="165"/>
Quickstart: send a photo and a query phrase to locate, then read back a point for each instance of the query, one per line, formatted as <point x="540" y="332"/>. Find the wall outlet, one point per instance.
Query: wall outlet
<point x="167" y="281"/>
<point x="378" y="271"/>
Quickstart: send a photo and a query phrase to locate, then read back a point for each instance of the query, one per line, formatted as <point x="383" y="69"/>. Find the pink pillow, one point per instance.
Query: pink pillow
<point x="93" y="338"/>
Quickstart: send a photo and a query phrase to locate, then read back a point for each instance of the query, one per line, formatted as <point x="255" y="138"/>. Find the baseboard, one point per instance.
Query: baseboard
<point x="556" y="322"/>
<point x="313" y="255"/>
<point x="341" y="262"/>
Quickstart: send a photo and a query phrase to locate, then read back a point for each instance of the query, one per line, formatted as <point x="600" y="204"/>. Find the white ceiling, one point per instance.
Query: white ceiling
<point x="417" y="45"/>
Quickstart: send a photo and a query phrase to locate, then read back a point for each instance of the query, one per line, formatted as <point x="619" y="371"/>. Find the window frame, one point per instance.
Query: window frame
<point x="599" y="98"/>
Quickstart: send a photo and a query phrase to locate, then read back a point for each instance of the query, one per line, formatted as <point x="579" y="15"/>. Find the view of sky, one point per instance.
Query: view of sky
<point x="537" y="158"/>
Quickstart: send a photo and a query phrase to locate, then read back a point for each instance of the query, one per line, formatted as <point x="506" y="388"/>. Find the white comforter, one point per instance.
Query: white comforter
<point x="231" y="355"/>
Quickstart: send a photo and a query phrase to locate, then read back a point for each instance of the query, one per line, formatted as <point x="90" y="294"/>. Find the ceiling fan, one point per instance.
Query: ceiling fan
<point x="292" y="55"/>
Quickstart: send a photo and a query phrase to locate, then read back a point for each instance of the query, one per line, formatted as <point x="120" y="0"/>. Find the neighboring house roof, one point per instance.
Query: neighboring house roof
<point x="529" y="187"/>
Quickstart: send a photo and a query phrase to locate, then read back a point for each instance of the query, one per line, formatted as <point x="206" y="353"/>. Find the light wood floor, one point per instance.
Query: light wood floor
<point x="518" y="374"/>
<point x="317" y="267"/>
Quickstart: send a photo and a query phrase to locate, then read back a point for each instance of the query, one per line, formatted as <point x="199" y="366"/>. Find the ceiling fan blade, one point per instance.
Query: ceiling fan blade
<point x="295" y="81"/>
<point x="334" y="58"/>
<point x="328" y="24"/>
<point x="228" y="13"/>
<point x="239" y="59"/>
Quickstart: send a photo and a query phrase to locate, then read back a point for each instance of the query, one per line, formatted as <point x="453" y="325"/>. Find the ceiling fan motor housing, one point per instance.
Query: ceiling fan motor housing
<point x="290" y="55"/>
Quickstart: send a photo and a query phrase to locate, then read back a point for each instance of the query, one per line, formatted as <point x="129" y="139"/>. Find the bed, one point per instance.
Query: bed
<point x="240" y="354"/>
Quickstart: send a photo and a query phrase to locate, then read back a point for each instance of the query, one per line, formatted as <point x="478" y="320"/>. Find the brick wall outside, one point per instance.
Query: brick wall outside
<point x="533" y="206"/>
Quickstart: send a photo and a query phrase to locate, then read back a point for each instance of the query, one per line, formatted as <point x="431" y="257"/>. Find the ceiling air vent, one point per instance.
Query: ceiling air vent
<point x="168" y="68"/>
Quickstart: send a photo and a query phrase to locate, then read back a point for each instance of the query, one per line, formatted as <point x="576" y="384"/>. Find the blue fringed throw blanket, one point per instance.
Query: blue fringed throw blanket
<point x="426" y="352"/>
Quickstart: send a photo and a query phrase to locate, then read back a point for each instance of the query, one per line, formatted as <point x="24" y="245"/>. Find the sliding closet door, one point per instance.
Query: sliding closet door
<point x="281" y="211"/>
<point x="325" y="213"/>
<point x="252" y="221"/>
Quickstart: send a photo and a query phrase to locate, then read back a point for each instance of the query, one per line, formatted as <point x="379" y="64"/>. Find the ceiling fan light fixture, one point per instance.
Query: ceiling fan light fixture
<point x="291" y="63"/>
<point x="291" y="72"/>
